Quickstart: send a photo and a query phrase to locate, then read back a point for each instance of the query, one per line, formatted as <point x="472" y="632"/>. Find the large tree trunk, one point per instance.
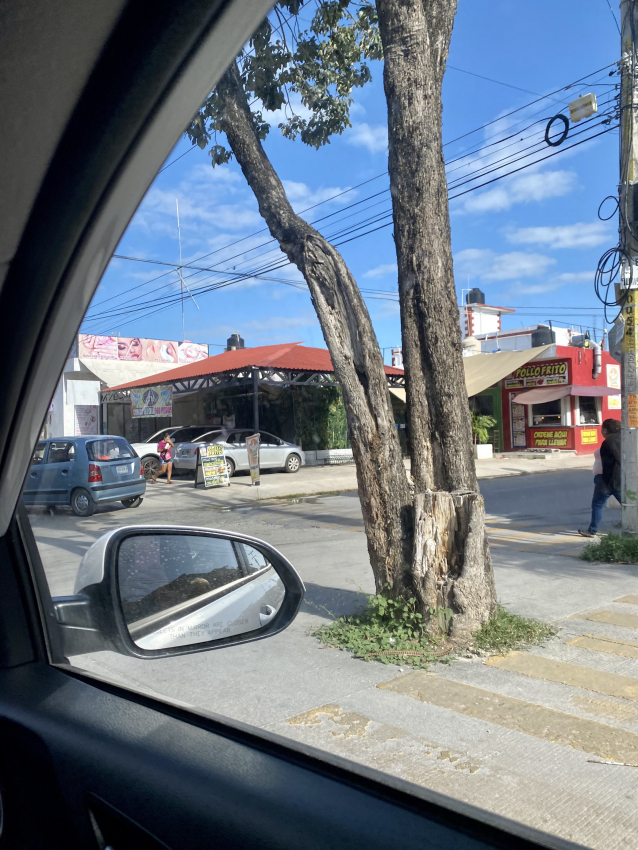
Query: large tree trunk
<point x="451" y="562"/>
<point x="383" y="486"/>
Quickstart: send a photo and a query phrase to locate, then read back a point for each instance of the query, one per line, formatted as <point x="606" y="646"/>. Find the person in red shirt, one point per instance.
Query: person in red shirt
<point x="165" y="449"/>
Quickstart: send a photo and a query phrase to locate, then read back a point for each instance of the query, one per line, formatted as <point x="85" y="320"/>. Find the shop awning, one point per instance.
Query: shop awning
<point x="484" y="370"/>
<point x="543" y="394"/>
<point x="114" y="372"/>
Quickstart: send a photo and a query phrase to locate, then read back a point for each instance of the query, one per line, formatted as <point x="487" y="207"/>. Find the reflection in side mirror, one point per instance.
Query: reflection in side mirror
<point x="181" y="589"/>
<point x="155" y="591"/>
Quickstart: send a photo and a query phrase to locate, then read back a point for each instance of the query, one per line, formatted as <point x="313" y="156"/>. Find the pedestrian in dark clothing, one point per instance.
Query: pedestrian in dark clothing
<point x="607" y="480"/>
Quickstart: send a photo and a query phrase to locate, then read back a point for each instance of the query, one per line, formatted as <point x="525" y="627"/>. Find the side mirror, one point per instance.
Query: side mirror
<point x="153" y="592"/>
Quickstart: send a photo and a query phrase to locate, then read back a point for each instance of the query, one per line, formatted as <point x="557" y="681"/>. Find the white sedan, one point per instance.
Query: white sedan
<point x="147" y="450"/>
<point x="274" y="453"/>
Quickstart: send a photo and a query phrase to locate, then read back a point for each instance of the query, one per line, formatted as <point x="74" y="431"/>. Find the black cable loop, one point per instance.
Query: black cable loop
<point x="609" y="198"/>
<point x="563" y="135"/>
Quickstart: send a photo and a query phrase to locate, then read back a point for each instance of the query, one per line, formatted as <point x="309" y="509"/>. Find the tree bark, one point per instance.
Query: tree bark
<point x="451" y="566"/>
<point x="383" y="486"/>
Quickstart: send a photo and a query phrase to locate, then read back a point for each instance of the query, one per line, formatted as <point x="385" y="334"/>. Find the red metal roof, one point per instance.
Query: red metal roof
<point x="289" y="355"/>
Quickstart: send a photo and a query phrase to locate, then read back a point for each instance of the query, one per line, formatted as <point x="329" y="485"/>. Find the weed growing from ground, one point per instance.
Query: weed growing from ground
<point x="509" y="631"/>
<point x="390" y="631"/>
<point x="612" y="549"/>
<point x="393" y="632"/>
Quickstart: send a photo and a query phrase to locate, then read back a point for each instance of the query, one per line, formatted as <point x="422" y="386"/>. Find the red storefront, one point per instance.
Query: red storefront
<point x="556" y="403"/>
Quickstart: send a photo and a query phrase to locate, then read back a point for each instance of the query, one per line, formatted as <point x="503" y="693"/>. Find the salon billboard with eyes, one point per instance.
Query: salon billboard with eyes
<point x="139" y="349"/>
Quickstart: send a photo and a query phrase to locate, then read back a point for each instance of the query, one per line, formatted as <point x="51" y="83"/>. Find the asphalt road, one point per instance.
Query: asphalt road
<point x="519" y="741"/>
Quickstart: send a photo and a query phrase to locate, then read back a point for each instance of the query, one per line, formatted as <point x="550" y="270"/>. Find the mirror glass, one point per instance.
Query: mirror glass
<point x="182" y="589"/>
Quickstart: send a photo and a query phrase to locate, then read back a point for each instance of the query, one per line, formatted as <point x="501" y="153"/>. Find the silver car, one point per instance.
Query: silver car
<point x="274" y="453"/>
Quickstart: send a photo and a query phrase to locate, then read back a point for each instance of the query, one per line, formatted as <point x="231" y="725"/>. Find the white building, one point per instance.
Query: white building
<point x="478" y="318"/>
<point x="75" y="406"/>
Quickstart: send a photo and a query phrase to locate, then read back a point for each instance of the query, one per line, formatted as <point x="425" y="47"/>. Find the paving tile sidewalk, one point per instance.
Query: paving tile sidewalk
<point x="314" y="480"/>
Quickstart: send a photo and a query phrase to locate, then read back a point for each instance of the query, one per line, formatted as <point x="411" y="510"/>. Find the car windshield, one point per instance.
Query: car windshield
<point x="457" y="511"/>
<point x="109" y="448"/>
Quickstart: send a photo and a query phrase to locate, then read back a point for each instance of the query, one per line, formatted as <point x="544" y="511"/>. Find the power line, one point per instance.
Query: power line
<point x="515" y="157"/>
<point x="614" y="17"/>
<point x="472" y="176"/>
<point x="376" y="177"/>
<point x="490" y="80"/>
<point x="235" y="277"/>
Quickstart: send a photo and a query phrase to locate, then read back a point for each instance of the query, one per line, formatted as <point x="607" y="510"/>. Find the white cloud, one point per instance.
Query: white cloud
<point x="302" y="196"/>
<point x="575" y="277"/>
<point x="382" y="271"/>
<point x="488" y="265"/>
<point x="534" y="289"/>
<point x="209" y="198"/>
<point x="523" y="189"/>
<point x="383" y="309"/>
<point x="375" y="139"/>
<point x="555" y="282"/>
<point x="580" y="235"/>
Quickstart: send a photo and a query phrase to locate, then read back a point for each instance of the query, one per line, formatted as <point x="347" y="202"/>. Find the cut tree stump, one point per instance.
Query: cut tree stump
<point x="451" y="565"/>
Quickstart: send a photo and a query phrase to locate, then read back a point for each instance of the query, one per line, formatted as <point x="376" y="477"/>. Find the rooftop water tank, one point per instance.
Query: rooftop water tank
<point x="234" y="342"/>
<point x="475" y="296"/>
<point x="543" y="335"/>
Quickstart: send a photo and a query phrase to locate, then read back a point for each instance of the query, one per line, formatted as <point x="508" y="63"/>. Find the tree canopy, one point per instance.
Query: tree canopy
<point x="307" y="69"/>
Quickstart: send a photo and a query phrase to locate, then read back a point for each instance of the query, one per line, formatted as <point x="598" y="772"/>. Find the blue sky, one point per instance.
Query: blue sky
<point x="531" y="241"/>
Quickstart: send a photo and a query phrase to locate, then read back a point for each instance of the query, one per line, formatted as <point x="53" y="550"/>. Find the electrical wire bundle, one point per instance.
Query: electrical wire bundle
<point x="616" y="259"/>
<point x="510" y="149"/>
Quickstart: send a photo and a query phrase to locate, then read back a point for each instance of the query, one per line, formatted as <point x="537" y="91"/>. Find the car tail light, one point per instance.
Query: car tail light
<point x="95" y="473"/>
<point x="141" y="468"/>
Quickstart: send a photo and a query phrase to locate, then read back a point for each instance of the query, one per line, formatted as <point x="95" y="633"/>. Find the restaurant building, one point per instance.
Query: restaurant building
<point x="561" y="400"/>
<point x="288" y="389"/>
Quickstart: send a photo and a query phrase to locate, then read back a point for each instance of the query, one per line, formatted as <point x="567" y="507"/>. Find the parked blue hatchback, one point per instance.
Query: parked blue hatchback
<point x="84" y="472"/>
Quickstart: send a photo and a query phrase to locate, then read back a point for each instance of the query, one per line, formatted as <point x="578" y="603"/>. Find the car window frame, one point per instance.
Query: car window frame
<point x="78" y="265"/>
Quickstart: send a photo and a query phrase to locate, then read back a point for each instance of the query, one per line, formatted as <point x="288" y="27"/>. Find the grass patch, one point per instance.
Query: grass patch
<point x="612" y="549"/>
<point x="393" y="632"/>
<point x="509" y="631"/>
<point x="388" y="631"/>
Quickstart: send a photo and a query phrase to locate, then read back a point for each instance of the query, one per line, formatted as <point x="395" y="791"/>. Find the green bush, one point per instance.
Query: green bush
<point x="612" y="549"/>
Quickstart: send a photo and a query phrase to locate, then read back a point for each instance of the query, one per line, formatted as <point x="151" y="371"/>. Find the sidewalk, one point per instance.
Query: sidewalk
<point x="315" y="480"/>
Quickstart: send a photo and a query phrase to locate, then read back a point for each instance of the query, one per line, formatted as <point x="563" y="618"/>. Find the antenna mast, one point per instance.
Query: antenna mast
<point x="179" y="271"/>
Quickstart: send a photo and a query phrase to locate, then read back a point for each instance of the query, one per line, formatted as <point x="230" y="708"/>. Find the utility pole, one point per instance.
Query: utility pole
<point x="628" y="295"/>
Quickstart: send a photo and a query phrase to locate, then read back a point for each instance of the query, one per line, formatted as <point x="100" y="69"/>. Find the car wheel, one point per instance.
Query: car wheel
<point x="230" y="466"/>
<point x="293" y="463"/>
<point x="135" y="502"/>
<point x="82" y="503"/>
<point x="151" y="466"/>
